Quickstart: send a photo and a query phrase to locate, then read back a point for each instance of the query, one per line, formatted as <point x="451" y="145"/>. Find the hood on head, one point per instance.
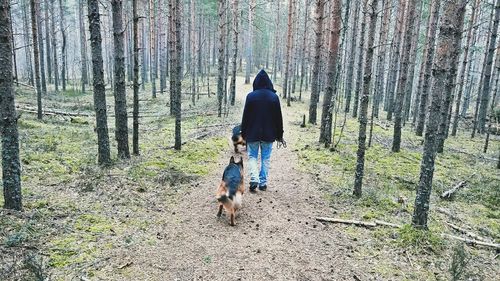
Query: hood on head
<point x="262" y="81"/>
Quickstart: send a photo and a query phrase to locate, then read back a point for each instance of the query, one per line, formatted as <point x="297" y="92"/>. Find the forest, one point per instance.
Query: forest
<point x="116" y="120"/>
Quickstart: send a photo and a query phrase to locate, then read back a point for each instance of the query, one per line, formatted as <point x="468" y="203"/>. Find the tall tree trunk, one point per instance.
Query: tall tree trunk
<point x="176" y="66"/>
<point x="304" y="48"/>
<point x="412" y="63"/>
<point x="486" y="89"/>
<point x="47" y="40"/>
<point x="83" y="45"/>
<point x="235" y="51"/>
<point x="276" y="41"/>
<point x="34" y="33"/>
<point x="193" y="51"/>
<point x="152" y="53"/>
<point x="63" y="46"/>
<point x="396" y="55"/>
<point x="359" y="73"/>
<point x="464" y="64"/>
<point x="27" y="42"/>
<point x="121" y="121"/>
<point x="447" y="104"/>
<point x="135" y="113"/>
<point x="54" y="45"/>
<point x="144" y="69"/>
<point x="11" y="166"/>
<point x="449" y="31"/>
<point x="104" y="157"/>
<point x="352" y="55"/>
<point x="333" y="54"/>
<point x="425" y="71"/>
<point x="289" y="46"/>
<point x="313" y="105"/>
<point x="380" y="74"/>
<point x="403" y="77"/>
<point x="491" y="116"/>
<point x="40" y="47"/>
<point x="249" y="44"/>
<point x="363" y="118"/>
<point x="220" y="60"/>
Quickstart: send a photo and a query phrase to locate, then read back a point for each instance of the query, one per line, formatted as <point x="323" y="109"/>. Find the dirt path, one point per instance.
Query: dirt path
<point x="276" y="236"/>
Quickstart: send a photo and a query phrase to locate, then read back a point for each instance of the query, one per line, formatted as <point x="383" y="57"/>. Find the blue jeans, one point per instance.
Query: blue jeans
<point x="253" y="157"/>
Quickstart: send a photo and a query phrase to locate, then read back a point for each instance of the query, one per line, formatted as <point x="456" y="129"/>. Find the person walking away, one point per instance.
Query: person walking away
<point x="261" y="125"/>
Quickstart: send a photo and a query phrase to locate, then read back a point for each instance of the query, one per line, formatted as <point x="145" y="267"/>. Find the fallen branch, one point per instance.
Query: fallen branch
<point x="472" y="242"/>
<point x="381" y="126"/>
<point x="449" y="193"/>
<point x="52" y="112"/>
<point x="387" y="224"/>
<point x="335" y="220"/>
<point x="465" y="231"/>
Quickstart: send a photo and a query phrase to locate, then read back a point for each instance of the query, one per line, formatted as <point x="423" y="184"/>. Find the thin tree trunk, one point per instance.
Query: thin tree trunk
<point x="11" y="166"/>
<point x="396" y="56"/>
<point x="27" y="42"/>
<point x="380" y="74"/>
<point x="492" y="117"/>
<point x="40" y="47"/>
<point x="276" y="41"/>
<point x="333" y="55"/>
<point x="304" y="48"/>
<point x="359" y="74"/>
<point x="486" y="89"/>
<point x="34" y="33"/>
<point x="220" y="61"/>
<point x="313" y="105"/>
<point x="235" y="52"/>
<point x="367" y="79"/>
<point x="63" y="46"/>
<point x="54" y="46"/>
<point x="83" y="46"/>
<point x="249" y="43"/>
<point x="178" y="74"/>
<point x="449" y="31"/>
<point x="47" y="40"/>
<point x="144" y="69"/>
<point x="121" y="121"/>
<point x="152" y="53"/>
<point x="403" y="77"/>
<point x="135" y="113"/>
<point x="425" y="77"/>
<point x="289" y="46"/>
<point x="104" y="157"/>
<point x="464" y="64"/>
<point x="351" y="55"/>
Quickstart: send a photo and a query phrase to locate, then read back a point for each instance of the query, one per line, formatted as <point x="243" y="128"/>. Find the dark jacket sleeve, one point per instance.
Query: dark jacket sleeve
<point x="244" y="120"/>
<point x="278" y="120"/>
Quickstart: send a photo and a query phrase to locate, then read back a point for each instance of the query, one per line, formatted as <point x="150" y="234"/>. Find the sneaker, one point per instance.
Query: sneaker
<point x="253" y="187"/>
<point x="263" y="188"/>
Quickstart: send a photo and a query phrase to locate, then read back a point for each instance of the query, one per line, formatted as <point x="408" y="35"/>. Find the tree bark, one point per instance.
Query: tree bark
<point x="315" y="89"/>
<point x="40" y="47"/>
<point x="34" y="33"/>
<point x="47" y="40"/>
<point x="54" y="46"/>
<point x="352" y="55"/>
<point x="63" y="46"/>
<point x="152" y="47"/>
<point x="403" y="77"/>
<point x="121" y="121"/>
<point x="359" y="74"/>
<point x="363" y="118"/>
<point x="249" y="44"/>
<point x="425" y="71"/>
<point x="220" y="60"/>
<point x="289" y="47"/>
<point x="27" y="42"/>
<point x="449" y="31"/>
<point x="235" y="52"/>
<point x="135" y="113"/>
<point x="396" y="55"/>
<point x="464" y="64"/>
<point x="486" y="89"/>
<point x="11" y="166"/>
<point x="333" y="54"/>
<point x="104" y="157"/>
<point x="380" y="74"/>
<point x="304" y="49"/>
<point x="83" y="45"/>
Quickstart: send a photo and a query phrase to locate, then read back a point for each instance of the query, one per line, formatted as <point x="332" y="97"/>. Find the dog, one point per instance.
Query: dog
<point x="230" y="192"/>
<point x="237" y="138"/>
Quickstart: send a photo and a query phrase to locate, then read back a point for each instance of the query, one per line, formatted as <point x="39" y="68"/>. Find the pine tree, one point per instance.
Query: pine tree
<point x="313" y="106"/>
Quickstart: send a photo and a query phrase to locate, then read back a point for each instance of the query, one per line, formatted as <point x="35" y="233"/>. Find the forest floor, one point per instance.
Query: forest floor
<point x="154" y="217"/>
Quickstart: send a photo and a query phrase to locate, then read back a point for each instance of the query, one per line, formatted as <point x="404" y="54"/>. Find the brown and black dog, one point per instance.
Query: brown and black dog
<point x="237" y="138"/>
<point x="231" y="189"/>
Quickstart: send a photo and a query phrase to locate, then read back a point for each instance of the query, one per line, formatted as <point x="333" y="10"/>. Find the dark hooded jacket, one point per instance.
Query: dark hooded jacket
<point x="262" y="119"/>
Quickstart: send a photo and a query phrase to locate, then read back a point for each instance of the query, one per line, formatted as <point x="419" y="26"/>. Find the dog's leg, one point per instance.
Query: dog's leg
<point x="232" y="218"/>
<point x="220" y="211"/>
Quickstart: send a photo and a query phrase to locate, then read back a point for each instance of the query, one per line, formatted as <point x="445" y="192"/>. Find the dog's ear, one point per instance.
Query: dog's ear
<point x="231" y="160"/>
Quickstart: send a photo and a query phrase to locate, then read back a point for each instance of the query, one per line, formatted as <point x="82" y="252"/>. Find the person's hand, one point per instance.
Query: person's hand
<point x="281" y="143"/>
